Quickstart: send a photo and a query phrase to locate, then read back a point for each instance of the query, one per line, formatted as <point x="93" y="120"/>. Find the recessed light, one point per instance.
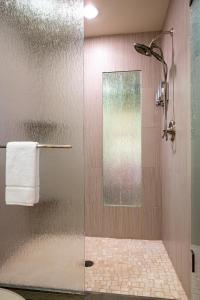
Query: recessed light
<point x="90" y="12"/>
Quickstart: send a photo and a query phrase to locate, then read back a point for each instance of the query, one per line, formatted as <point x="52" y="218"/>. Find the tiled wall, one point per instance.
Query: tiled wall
<point x="116" y="53"/>
<point x="176" y="166"/>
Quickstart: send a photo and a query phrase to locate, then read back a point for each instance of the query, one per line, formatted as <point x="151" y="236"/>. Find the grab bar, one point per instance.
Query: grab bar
<point x="47" y="146"/>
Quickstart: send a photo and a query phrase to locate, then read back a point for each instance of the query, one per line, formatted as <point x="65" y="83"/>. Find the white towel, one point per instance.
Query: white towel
<point x="22" y="173"/>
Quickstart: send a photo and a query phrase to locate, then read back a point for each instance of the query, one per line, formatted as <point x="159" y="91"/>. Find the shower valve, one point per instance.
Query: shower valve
<point x="171" y="130"/>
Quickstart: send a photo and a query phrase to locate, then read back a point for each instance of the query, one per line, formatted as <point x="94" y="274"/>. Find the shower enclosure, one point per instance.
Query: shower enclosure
<point x="41" y="62"/>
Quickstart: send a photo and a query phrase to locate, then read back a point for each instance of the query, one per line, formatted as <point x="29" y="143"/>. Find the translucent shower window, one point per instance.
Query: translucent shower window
<point x="122" y="182"/>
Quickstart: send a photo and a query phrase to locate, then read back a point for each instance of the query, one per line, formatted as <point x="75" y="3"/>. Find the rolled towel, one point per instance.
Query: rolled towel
<point x="22" y="173"/>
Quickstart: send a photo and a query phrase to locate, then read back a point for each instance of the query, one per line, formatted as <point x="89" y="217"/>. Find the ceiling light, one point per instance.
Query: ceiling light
<point x="90" y="12"/>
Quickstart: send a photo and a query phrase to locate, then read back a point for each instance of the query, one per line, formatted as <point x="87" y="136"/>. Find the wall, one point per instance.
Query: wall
<point x="116" y="53"/>
<point x="176" y="167"/>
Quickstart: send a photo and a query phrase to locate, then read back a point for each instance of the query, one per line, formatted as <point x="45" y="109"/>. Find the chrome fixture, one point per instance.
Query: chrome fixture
<point x="171" y="130"/>
<point x="154" y="50"/>
<point x="160" y="95"/>
<point x="48" y="146"/>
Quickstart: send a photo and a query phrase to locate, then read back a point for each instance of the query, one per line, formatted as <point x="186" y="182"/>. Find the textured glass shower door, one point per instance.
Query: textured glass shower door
<point x="41" y="99"/>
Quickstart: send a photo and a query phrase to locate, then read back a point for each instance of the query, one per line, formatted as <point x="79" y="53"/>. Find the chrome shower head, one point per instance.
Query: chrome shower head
<point x="152" y="50"/>
<point x="142" y="49"/>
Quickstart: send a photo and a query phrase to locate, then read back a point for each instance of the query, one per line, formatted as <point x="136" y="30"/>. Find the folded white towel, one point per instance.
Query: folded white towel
<point x="22" y="173"/>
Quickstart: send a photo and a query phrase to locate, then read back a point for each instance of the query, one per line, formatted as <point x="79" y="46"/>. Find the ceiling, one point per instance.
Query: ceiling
<point x="126" y="16"/>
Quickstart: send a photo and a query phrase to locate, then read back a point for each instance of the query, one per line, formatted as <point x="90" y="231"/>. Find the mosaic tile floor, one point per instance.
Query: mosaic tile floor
<point x="131" y="267"/>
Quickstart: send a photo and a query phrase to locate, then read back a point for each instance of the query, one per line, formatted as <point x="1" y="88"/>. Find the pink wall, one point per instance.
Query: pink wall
<point x="116" y="53"/>
<point x="176" y="168"/>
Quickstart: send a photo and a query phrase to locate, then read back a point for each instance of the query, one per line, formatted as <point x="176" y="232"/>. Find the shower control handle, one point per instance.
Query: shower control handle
<point x="171" y="130"/>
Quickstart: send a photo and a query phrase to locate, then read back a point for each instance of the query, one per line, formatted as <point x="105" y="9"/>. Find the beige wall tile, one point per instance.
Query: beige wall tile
<point x="176" y="169"/>
<point x="116" y="53"/>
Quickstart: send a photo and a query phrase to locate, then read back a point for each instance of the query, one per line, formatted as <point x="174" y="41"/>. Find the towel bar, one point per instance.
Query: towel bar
<point x="48" y="146"/>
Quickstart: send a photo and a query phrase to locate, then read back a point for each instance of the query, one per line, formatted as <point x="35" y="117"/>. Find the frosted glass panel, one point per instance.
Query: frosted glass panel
<point x="121" y="138"/>
<point x="41" y="99"/>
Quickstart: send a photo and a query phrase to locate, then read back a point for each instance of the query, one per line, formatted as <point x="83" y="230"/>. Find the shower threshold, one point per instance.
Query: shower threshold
<point x="43" y="295"/>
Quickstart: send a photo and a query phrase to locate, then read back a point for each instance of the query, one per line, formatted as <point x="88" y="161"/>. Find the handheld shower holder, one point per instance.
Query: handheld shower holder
<point x="162" y="92"/>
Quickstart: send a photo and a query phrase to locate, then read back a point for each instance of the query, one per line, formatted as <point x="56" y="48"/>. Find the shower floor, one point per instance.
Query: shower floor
<point x="131" y="267"/>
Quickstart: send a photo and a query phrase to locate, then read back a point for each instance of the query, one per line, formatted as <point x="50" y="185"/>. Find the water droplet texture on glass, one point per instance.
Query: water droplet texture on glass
<point x="122" y="138"/>
<point x="41" y="99"/>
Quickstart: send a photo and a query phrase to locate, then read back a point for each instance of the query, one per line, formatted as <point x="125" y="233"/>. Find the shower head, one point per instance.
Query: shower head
<point x="142" y="49"/>
<point x="152" y="50"/>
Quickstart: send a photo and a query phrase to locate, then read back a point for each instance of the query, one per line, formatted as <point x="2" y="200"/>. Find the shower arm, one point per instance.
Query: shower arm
<point x="153" y="45"/>
<point x="171" y="31"/>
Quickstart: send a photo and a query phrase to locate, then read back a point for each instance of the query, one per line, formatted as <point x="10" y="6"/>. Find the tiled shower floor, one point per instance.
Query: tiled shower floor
<point x="131" y="267"/>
